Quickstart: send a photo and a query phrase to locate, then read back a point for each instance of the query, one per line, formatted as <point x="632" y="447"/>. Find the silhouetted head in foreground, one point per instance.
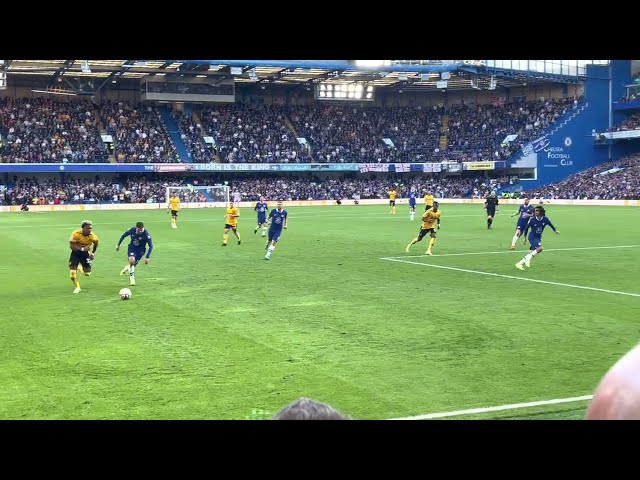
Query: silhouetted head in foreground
<point x="308" y="409"/>
<point x="618" y="395"/>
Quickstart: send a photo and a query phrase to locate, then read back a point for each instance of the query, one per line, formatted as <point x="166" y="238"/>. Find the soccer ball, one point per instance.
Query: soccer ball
<point x="125" y="294"/>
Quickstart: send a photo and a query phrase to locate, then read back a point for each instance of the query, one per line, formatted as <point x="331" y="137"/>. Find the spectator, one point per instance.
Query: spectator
<point x="617" y="397"/>
<point x="308" y="409"/>
<point x="615" y="180"/>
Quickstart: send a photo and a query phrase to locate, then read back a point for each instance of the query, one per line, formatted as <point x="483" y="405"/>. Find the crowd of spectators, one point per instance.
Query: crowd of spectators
<point x="140" y="134"/>
<point x="615" y="180"/>
<point x="268" y="133"/>
<point x="477" y="132"/>
<point x="134" y="189"/>
<point x="252" y="134"/>
<point x="43" y="130"/>
<point x="292" y="188"/>
<point x="192" y="136"/>
<point x="348" y="134"/>
<point x="632" y="122"/>
<point x="33" y="191"/>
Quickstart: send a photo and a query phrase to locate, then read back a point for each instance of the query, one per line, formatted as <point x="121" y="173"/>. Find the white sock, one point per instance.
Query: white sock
<point x="411" y="214"/>
<point x="514" y="240"/>
<point x="132" y="270"/>
<point x="270" y="250"/>
<point x="533" y="253"/>
<point x="528" y="256"/>
<point x="264" y="231"/>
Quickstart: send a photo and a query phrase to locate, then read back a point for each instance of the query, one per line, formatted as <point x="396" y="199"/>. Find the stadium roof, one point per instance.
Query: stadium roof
<point x="405" y="74"/>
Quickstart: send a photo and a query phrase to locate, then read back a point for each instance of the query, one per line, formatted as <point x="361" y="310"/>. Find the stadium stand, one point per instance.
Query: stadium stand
<point x="39" y="130"/>
<point x="615" y="180"/>
<point x="252" y="134"/>
<point x="139" y="133"/>
<point x="143" y="190"/>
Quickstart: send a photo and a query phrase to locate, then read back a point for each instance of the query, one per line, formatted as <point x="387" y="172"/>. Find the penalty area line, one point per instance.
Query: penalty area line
<point x="525" y="279"/>
<point x="499" y="408"/>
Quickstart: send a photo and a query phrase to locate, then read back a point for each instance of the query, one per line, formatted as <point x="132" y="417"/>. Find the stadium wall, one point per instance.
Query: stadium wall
<point x="113" y="94"/>
<point x="569" y="146"/>
<point x="390" y="98"/>
<point x="300" y="203"/>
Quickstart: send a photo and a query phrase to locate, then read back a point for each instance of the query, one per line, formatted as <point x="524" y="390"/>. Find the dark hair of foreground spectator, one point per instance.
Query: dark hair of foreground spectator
<point x="308" y="409"/>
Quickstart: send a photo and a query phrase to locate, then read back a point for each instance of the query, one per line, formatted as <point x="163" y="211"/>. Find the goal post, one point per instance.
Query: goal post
<point x="209" y="195"/>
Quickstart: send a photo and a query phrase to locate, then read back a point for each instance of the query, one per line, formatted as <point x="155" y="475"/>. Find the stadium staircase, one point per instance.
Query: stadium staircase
<point x="444" y="141"/>
<point x="295" y="134"/>
<point x="290" y="125"/>
<point x="103" y="131"/>
<point x="567" y="118"/>
<point x="174" y="133"/>
<point x="198" y="120"/>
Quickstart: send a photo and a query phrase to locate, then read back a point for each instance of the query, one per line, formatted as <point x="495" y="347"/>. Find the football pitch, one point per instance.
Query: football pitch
<point x="340" y="314"/>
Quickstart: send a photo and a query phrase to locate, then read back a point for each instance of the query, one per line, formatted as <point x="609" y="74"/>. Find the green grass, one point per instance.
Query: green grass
<point x="220" y="333"/>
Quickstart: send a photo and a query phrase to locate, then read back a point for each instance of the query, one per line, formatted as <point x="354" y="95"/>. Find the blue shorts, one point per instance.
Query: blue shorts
<point x="137" y="253"/>
<point x="412" y="204"/>
<point x="262" y="218"/>
<point x="535" y="241"/>
<point x="274" y="234"/>
<point x="522" y="224"/>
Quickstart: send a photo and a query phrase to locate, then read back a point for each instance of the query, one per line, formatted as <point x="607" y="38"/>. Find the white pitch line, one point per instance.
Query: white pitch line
<point x="477" y="272"/>
<point x="519" y="251"/>
<point x="499" y="408"/>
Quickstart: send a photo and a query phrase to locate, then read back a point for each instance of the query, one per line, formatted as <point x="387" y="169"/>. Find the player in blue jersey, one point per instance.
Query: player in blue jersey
<point x="277" y="221"/>
<point x="139" y="238"/>
<point x="536" y="224"/>
<point x="261" y="208"/>
<point x="412" y="204"/>
<point x="524" y="213"/>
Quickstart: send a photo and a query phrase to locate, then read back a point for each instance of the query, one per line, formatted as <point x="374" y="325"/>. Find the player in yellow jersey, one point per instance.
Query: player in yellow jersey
<point x="428" y="203"/>
<point x="231" y="219"/>
<point x="174" y="207"/>
<point x="429" y="221"/>
<point x="83" y="244"/>
<point x="392" y="200"/>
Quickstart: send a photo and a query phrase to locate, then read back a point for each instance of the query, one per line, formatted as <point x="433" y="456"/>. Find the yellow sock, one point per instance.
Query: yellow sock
<point x="432" y="242"/>
<point x="414" y="241"/>
<point x="74" y="278"/>
<point x="238" y="234"/>
<point x="225" y="237"/>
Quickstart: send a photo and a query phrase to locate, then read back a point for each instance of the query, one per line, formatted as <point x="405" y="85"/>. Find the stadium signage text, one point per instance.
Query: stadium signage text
<point x="558" y="153"/>
<point x="245" y="167"/>
<point x="479" y="165"/>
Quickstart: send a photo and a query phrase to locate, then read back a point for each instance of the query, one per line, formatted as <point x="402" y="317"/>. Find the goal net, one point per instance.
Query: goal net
<point x="207" y="195"/>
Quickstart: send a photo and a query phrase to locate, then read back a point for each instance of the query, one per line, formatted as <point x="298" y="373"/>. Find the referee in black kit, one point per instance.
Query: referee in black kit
<point x="491" y="205"/>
